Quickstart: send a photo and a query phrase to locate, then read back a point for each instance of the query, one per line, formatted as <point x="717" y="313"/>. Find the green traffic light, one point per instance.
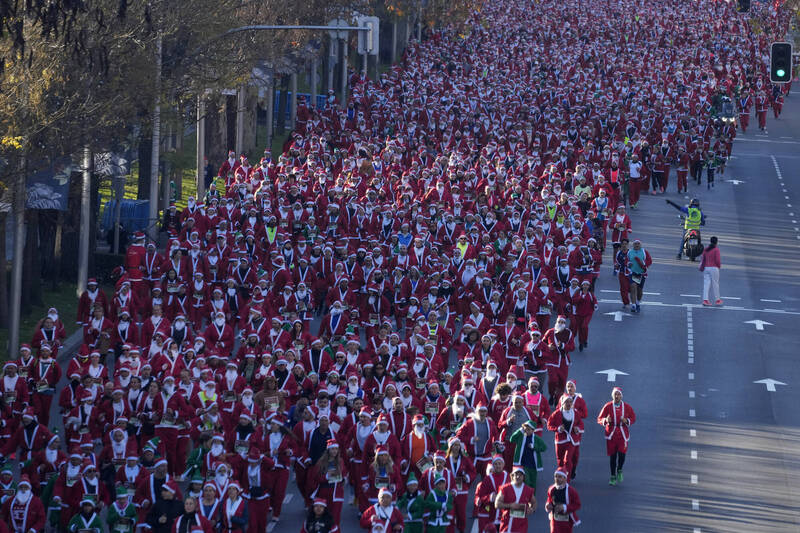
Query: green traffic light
<point x="780" y="73"/>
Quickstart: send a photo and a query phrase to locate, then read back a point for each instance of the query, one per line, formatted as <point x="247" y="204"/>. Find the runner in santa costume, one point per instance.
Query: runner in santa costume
<point x="479" y="435"/>
<point x="616" y="417"/>
<point x="254" y="477"/>
<point x="515" y="501"/>
<point x="192" y="521"/>
<point x="567" y="427"/>
<point x="234" y="510"/>
<point x="29" y="437"/>
<point x="463" y="471"/>
<point x="418" y="448"/>
<point x="486" y="492"/>
<point x="24" y="513"/>
<point x="384" y="516"/>
<point x="562" y="504"/>
<point x="327" y="479"/>
<point x="560" y="341"/>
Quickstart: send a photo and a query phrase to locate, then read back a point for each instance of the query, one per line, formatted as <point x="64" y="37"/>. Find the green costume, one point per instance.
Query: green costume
<point x="438" y="506"/>
<point x="121" y="519"/>
<point x="531" y="469"/>
<point x="194" y="462"/>
<point x="412" y="505"/>
<point x="78" y="523"/>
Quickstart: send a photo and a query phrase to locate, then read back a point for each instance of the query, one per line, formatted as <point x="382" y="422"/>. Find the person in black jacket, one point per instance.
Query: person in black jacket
<point x="165" y="510"/>
<point x="319" y="519"/>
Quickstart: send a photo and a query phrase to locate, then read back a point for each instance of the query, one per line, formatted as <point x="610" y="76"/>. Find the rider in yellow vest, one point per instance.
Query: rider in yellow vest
<point x="693" y="218"/>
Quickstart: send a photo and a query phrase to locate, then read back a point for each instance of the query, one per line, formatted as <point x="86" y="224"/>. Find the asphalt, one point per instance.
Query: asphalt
<point x="711" y="450"/>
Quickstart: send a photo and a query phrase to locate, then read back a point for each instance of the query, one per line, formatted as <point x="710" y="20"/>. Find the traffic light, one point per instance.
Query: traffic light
<point x="780" y="63"/>
<point x="743" y="6"/>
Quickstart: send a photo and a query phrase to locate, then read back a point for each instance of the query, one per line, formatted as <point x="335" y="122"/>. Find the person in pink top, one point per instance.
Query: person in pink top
<point x="709" y="266"/>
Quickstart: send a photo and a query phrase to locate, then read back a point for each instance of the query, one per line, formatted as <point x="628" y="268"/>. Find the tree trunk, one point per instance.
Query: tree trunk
<point x="57" y="250"/>
<point x="283" y="102"/>
<point x="3" y="273"/>
<point x="145" y="150"/>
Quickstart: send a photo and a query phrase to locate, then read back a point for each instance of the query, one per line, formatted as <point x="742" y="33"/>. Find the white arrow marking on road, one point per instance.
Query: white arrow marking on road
<point x="735" y="182"/>
<point x="759" y="324"/>
<point x="617" y="315"/>
<point x="770" y="383"/>
<point x="611" y="374"/>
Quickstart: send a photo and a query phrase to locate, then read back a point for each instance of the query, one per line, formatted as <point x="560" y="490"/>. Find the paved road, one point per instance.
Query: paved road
<point x="712" y="450"/>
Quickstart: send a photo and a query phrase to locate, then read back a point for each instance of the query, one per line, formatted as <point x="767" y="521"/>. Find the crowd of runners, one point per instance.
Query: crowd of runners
<point x="387" y="314"/>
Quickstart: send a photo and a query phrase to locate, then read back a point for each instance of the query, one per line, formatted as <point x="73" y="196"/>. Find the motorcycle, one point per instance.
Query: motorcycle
<point x="692" y="243"/>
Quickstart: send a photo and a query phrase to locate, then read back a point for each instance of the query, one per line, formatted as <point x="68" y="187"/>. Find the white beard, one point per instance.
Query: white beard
<point x="50" y="455"/>
<point x="559" y="327"/>
<point x="23" y="497"/>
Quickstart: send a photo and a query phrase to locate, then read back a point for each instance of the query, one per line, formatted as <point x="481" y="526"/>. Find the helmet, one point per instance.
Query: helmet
<point x="694" y="203"/>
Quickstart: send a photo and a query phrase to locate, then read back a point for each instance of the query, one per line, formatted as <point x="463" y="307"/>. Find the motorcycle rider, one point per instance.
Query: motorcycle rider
<point x="693" y="219"/>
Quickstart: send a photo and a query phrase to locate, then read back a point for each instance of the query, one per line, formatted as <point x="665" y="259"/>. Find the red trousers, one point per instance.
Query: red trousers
<point x="616" y="444"/>
<point x="762" y="119"/>
<point x="683" y="179"/>
<point x="258" y="510"/>
<point x="744" y="120"/>
<point x="624" y="288"/>
<point x="565" y="455"/>
<point x="581" y="323"/>
<point x="557" y="379"/>
<point x="169" y="438"/>
<point x="543" y="321"/>
<point x="634" y="190"/>
<point x="560" y="527"/>
<point x="41" y="404"/>
<point x="277" y="482"/>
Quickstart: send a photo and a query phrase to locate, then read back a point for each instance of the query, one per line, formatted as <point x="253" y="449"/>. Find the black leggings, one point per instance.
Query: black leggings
<point x="617" y="460"/>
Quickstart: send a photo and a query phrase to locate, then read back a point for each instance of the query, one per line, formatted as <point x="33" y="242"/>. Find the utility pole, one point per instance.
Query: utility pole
<point x="293" y="104"/>
<point x="154" y="160"/>
<point x="270" y="113"/>
<point x="85" y="225"/>
<point x="201" y="147"/>
<point x="240" y="104"/>
<point x="314" y="78"/>
<point x="17" y="261"/>
<point x="344" y="72"/>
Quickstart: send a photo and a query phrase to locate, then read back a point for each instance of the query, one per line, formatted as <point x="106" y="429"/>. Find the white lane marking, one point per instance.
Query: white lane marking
<point x="691" y="394"/>
<point x="691" y="376"/>
<point x="692" y="413"/>
<point x="696" y="530"/>
<point x="287" y="499"/>
<point x="759" y="324"/>
<point x="690" y="295"/>
<point x="731" y="298"/>
<point x="693" y="479"/>
<point x="692" y="432"/>
<point x="718" y="308"/>
<point x="770" y="383"/>
<point x="695" y="505"/>
<point x="474" y="527"/>
<point x="694" y="454"/>
<point x="770" y="301"/>
<point x="652" y="293"/>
